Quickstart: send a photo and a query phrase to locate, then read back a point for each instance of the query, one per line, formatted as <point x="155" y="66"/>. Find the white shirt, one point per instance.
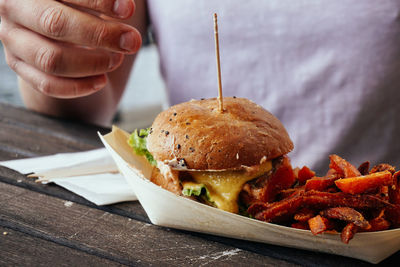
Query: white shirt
<point x="329" y="70"/>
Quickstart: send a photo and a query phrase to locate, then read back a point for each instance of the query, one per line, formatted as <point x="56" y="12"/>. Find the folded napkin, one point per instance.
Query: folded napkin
<point x="90" y="174"/>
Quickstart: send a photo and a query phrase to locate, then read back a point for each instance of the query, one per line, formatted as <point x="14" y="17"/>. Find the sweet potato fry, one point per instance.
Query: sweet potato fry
<point x="383" y="192"/>
<point x="288" y="192"/>
<point x="392" y="213"/>
<point x="283" y="178"/>
<point x="304" y="174"/>
<point x="322" y="200"/>
<point x="320" y="183"/>
<point x="364" y="168"/>
<point x="343" y="167"/>
<point x="304" y="215"/>
<point x="257" y="208"/>
<point x="362" y="184"/>
<point x="319" y="224"/>
<point x="277" y="210"/>
<point x="346" y="214"/>
<point x="378" y="213"/>
<point x="394" y="190"/>
<point x="332" y="189"/>
<point x="396" y="178"/>
<point x="301" y="225"/>
<point x="348" y="232"/>
<point x="364" y="200"/>
<point x="383" y="167"/>
<point x="378" y="224"/>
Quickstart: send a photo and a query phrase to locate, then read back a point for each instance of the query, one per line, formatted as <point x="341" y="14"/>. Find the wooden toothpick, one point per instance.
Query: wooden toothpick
<point x="220" y="101"/>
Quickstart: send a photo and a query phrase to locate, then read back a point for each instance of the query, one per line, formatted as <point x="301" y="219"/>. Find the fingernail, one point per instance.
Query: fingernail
<point x="123" y="8"/>
<point x="114" y="60"/>
<point x="128" y="41"/>
<point x="100" y="82"/>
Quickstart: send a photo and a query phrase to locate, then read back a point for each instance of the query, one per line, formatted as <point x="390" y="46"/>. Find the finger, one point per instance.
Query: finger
<point x="121" y="9"/>
<point x="56" y="86"/>
<point x="61" y="22"/>
<point x="59" y="59"/>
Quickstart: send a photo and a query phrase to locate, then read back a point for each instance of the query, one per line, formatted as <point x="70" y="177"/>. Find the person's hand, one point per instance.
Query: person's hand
<point x="63" y="51"/>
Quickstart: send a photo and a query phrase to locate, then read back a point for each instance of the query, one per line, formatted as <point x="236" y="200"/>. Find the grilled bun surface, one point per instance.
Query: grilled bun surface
<point x="206" y="139"/>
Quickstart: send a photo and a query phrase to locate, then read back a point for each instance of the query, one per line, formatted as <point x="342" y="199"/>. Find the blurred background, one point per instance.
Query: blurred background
<point x="143" y="99"/>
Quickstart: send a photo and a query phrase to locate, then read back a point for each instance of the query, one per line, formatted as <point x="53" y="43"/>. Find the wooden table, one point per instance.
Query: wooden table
<point x="45" y="224"/>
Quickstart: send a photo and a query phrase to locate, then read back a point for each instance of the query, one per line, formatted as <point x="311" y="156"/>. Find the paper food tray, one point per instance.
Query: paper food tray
<point x="166" y="209"/>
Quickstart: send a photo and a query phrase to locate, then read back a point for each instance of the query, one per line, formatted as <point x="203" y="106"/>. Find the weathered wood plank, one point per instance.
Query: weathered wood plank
<point x="132" y="209"/>
<point x="111" y="236"/>
<point x="19" y="249"/>
<point x="25" y="140"/>
<point x="38" y="122"/>
<point x="26" y="134"/>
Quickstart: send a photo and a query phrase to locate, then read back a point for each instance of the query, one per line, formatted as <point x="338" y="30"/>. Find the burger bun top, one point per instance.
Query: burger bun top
<point x="204" y="138"/>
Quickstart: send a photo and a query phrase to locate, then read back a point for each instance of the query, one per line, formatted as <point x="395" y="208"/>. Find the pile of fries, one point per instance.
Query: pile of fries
<point x="346" y="200"/>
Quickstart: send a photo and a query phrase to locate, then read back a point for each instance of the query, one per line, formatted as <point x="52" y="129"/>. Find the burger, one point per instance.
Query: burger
<point x="228" y="159"/>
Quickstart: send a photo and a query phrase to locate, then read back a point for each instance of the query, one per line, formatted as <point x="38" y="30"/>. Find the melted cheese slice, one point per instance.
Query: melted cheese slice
<point x="224" y="186"/>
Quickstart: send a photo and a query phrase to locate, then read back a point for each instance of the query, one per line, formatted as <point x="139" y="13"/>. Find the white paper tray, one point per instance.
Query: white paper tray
<point x="166" y="209"/>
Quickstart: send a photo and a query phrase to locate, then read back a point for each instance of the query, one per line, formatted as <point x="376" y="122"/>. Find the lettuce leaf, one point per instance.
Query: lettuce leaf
<point x="198" y="190"/>
<point x="138" y="141"/>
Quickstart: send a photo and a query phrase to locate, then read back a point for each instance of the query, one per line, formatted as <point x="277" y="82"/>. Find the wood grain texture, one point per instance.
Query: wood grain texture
<point x="19" y="249"/>
<point x="111" y="236"/>
<point x="27" y="134"/>
<point x="20" y="129"/>
<point x="132" y="209"/>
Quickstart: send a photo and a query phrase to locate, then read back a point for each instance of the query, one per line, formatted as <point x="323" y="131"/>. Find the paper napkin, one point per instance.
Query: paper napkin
<point x="90" y="174"/>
